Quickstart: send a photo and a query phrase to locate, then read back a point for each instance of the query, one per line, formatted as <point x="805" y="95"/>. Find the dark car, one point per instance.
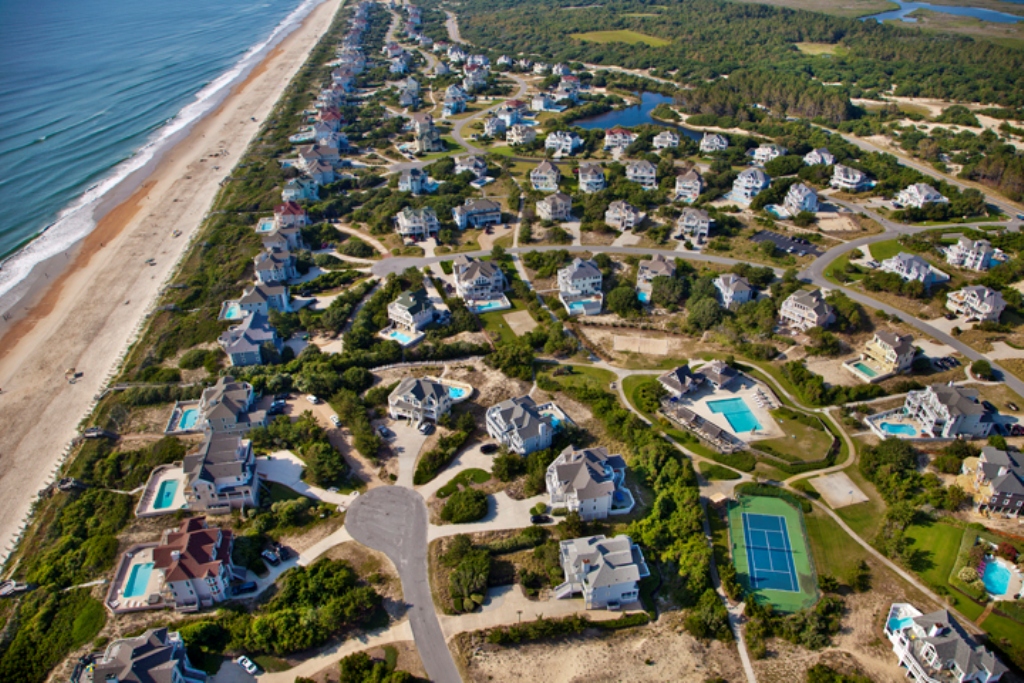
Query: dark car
<point x="489" y="448"/>
<point x="271" y="557"/>
<point x="539" y="519"/>
<point x="243" y="588"/>
<point x="283" y="552"/>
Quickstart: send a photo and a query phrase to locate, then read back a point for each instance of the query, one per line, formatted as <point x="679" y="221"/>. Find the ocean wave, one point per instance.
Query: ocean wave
<point x="76" y="220"/>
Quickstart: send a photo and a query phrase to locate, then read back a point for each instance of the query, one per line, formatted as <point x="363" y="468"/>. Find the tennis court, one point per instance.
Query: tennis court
<point x="771" y="553"/>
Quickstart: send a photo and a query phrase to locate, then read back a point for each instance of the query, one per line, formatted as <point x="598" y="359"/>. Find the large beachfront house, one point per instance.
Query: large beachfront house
<point x="892" y="352"/>
<point x="849" y="179"/>
<point x="607" y="571"/>
<point x="417" y="223"/>
<point x="221" y="474"/>
<point x="520" y="134"/>
<point x="563" y="142"/>
<point x="749" y="183"/>
<point x="946" y="411"/>
<point x="156" y="656"/>
<point x="412" y="180"/>
<point x="976" y="303"/>
<point x="290" y="215"/>
<point x="555" y="207"/>
<point x="665" y="139"/>
<point x="419" y="399"/>
<point x="194" y="563"/>
<point x="733" y="289"/>
<point x="229" y="406"/>
<point x="919" y="195"/>
<point x="274" y="265"/>
<point x="545" y="177"/>
<point x="618" y="138"/>
<point x="713" y="142"/>
<point x="622" y="215"/>
<point x="819" y="156"/>
<point x="263" y="299"/>
<point x="590" y="482"/>
<point x="973" y="254"/>
<point x="579" y="287"/>
<point x="695" y="224"/>
<point x="805" y="309"/>
<point x="935" y="648"/>
<point x="689" y="185"/>
<point x="800" y="198"/>
<point x="643" y="172"/>
<point x="477" y="213"/>
<point x="522" y="426"/>
<point x="911" y="267"/>
<point x="591" y="178"/>
<point x="647" y="270"/>
<point x="478" y="280"/>
<point x="412" y="311"/>
<point x="999" y="481"/>
<point x="245" y="343"/>
<point x="765" y="153"/>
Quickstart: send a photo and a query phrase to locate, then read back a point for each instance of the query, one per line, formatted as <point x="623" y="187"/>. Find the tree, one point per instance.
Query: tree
<point x="508" y="466"/>
<point x="623" y="301"/>
<point x="467" y="505"/>
<point x="324" y="464"/>
<point x="704" y="314"/>
<point x="668" y="292"/>
<point x="983" y="369"/>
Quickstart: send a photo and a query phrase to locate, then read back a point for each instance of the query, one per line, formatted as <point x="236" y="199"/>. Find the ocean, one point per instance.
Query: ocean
<point x="90" y="91"/>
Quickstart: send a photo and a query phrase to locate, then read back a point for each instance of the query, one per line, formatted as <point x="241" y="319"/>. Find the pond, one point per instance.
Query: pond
<point x="636" y="115"/>
<point x="975" y="12"/>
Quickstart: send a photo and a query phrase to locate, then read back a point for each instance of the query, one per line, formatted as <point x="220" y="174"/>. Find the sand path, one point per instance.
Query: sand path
<point x="90" y="313"/>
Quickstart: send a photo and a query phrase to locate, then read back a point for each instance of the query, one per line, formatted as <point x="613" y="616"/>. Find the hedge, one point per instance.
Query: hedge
<point x="754" y="489"/>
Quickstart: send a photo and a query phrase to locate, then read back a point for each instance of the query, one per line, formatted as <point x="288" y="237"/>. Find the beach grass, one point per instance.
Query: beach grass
<point x="621" y="36"/>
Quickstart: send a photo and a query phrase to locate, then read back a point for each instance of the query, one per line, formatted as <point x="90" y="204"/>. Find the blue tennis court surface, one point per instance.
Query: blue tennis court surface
<point x="768" y="553"/>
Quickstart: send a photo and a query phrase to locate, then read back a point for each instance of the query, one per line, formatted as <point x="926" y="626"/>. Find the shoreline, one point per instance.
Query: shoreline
<point x="87" y="315"/>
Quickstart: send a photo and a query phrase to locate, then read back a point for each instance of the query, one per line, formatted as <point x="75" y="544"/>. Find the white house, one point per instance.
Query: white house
<point x="555" y="207"/>
<point x="849" y="179"/>
<point x="591" y="178"/>
<point x="472" y="163"/>
<point x="766" y="153"/>
<point x="419" y="399"/>
<point x="973" y="254"/>
<point x="805" y="309"/>
<point x="521" y="134"/>
<point x="618" y="138"/>
<point x="274" y="265"/>
<point x="919" y="195"/>
<point x="643" y="172"/>
<point x="713" y="142"/>
<point x="563" y="142"/>
<point x="411" y="311"/>
<point x="689" y="185"/>
<point x="607" y="571"/>
<point x="647" y="270"/>
<point x="412" y="180"/>
<point x="800" y="198"/>
<point x="749" y="183"/>
<point x="580" y="277"/>
<point x="946" y="411"/>
<point x="521" y="425"/>
<point x="194" y="564"/>
<point x="417" y="223"/>
<point x="300" y="189"/>
<point x="545" y="177"/>
<point x="622" y="215"/>
<point x="243" y="343"/>
<point x="494" y="127"/>
<point x="289" y="215"/>
<point x="696" y="224"/>
<point x="733" y="289"/>
<point x="910" y="267"/>
<point x="478" y="280"/>
<point x="586" y="481"/>
<point x="977" y="303"/>
<point x="477" y="213"/>
<point x="220" y="475"/>
<point x="819" y="157"/>
<point x="665" y="139"/>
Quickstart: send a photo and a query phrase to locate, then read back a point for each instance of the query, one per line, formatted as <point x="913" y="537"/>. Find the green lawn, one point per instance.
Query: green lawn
<point x="1006" y="634"/>
<point x="473" y="475"/>
<point x="624" y="36"/>
<point x="887" y="249"/>
<point x="585" y="375"/>
<point x="714" y="472"/>
<point x="495" y="322"/>
<point x="820" y="49"/>
<point x="863" y="518"/>
<point x="835" y="552"/>
<point x="802" y="442"/>
<point x="935" y="547"/>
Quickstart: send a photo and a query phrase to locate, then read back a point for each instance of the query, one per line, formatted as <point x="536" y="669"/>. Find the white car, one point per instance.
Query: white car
<point x="247" y="664"/>
<point x="335" y="421"/>
<point x="312" y="399"/>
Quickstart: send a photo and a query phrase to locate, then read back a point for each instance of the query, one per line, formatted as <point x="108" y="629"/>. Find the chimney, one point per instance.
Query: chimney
<point x="175" y="555"/>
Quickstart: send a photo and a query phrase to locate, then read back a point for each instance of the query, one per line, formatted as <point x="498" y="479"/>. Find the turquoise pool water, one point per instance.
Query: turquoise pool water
<point x="188" y="419"/>
<point x="138" y="579"/>
<point x="234" y="312"/>
<point x="399" y="337"/>
<point x="643" y="296"/>
<point x="265" y="225"/>
<point x="996" y="578"/>
<point x="165" y="494"/>
<point x="488" y="305"/>
<point x="556" y="422"/>
<point x="898" y="429"/>
<point x="866" y="369"/>
<point x="737" y="413"/>
<point x="897" y="624"/>
<point x="456" y="392"/>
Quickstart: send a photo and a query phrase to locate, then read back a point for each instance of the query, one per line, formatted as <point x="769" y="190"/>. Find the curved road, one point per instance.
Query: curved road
<point x="393" y="520"/>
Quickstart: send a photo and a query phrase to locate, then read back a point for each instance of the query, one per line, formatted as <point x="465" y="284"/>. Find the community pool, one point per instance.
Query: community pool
<point x="996" y="578"/>
<point x="456" y="392"/>
<point x="188" y="419"/>
<point x="399" y="337"/>
<point x="899" y="623"/>
<point x="866" y="369"/>
<point x="165" y="494"/>
<point x="737" y="412"/>
<point x="138" y="579"/>
<point x="898" y="429"/>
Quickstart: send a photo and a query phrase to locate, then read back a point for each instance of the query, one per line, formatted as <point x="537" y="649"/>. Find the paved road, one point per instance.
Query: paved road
<point x="393" y="520"/>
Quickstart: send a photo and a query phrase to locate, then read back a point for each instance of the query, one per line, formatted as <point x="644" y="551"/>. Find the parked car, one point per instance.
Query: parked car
<point x="1013" y="407"/>
<point x="335" y="421"/>
<point x="426" y="428"/>
<point x="489" y="448"/>
<point x="243" y="588"/>
<point x="953" y="361"/>
<point x="539" y="519"/>
<point x="247" y="664"/>
<point x="313" y="399"/>
<point x="384" y="432"/>
<point x="271" y="557"/>
<point x="283" y="552"/>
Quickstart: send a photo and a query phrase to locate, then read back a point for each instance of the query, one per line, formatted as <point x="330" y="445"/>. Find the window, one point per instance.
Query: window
<point x="1019" y="502"/>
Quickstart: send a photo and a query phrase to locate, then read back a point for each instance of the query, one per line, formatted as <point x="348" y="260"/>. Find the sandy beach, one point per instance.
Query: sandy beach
<point x="88" y="315"/>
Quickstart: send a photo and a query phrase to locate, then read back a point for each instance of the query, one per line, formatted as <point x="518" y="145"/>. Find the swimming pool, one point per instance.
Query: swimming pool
<point x="737" y="413"/>
<point x="866" y="369"/>
<point x="488" y="306"/>
<point x="996" y="578"/>
<point x="402" y="339"/>
<point x="138" y="579"/>
<point x="265" y="225"/>
<point x="188" y="419"/>
<point x="165" y="494"/>
<point x="233" y="312"/>
<point x="456" y="392"/>
<point x="898" y="429"/>
<point x="644" y="297"/>
<point x="899" y="623"/>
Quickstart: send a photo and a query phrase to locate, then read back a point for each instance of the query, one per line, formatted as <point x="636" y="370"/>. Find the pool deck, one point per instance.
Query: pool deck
<point x="161" y="474"/>
<point x="895" y="416"/>
<point x="174" y="421"/>
<point x="414" y="337"/>
<point x="743" y="387"/>
<point x="115" y="601"/>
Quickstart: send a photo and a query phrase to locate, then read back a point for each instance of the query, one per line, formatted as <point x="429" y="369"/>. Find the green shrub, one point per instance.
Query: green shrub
<point x="467" y="505"/>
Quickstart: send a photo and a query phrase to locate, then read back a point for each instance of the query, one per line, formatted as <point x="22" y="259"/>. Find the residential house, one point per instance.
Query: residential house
<point x="408" y="98"/>
<point x="221" y="474"/>
<point x="542" y="102"/>
<point x="622" y="215"/>
<point x="946" y="411"/>
<point x="456" y="54"/>
<point x="919" y="195"/>
<point x="299" y="189"/>
<point x="156" y="656"/>
<point x="419" y="399"/>
<point x="427" y="137"/>
<point x="399" y="65"/>
<point x="805" y="309"/>
<point x="849" y="179"/>
<point x="910" y="267"/>
<point x="478" y="280"/>
<point x="494" y="127"/>
<point x="284" y="239"/>
<point x="521" y="425"/>
<point x="455" y="92"/>
<point x="417" y="223"/>
<point x="695" y="224"/>
<point x="475" y="78"/>
<point x="230" y="406"/>
<point x="261" y="299"/>
<point x="800" y="198"/>
<point x="411" y="311"/>
<point x="749" y="184"/>
<point x="733" y="289"/>
<point x="819" y="157"/>
<point x="892" y="352"/>
<point x="412" y="180"/>
<point x="607" y="571"/>
<point x="999" y="481"/>
<point x="244" y="343"/>
<point x="545" y="177"/>
<point x="505" y="61"/>
<point x="579" y="287"/>
<point x="973" y="254"/>
<point x="477" y="213"/>
<point x="561" y="70"/>
<point x="976" y="303"/>
<point x="563" y="142"/>
<point x="766" y="153"/>
<point x="647" y="270"/>
<point x="510" y="115"/>
<point x="479" y="60"/>
<point x="555" y="207"/>
<point x="290" y="214"/>
<point x="643" y="172"/>
<point x="392" y="50"/>
<point x="539" y="68"/>
<point x="665" y="139"/>
<point x="520" y="134"/>
<point x="591" y="178"/>
<point x="472" y="163"/>
<point x="719" y="374"/>
<point x="713" y="142"/>
<point x="194" y="563"/>
<point x="618" y="138"/>
<point x="935" y="648"/>
<point x="586" y="481"/>
<point x="689" y="185"/>
<point x="441" y="69"/>
<point x="321" y="172"/>
<point x="274" y="265"/>
<point x="681" y="381"/>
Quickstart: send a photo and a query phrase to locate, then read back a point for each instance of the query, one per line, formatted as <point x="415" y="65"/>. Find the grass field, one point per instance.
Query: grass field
<point x="935" y="547"/>
<point x="495" y="322"/>
<point x="820" y="49"/>
<point x="887" y="249"/>
<point x="802" y="443"/>
<point x="713" y="472"/>
<point x="584" y="375"/>
<point x="863" y="518"/>
<point x="474" y="475"/>
<point x="835" y="552"/>
<point x="842" y="8"/>
<point x="624" y="36"/>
